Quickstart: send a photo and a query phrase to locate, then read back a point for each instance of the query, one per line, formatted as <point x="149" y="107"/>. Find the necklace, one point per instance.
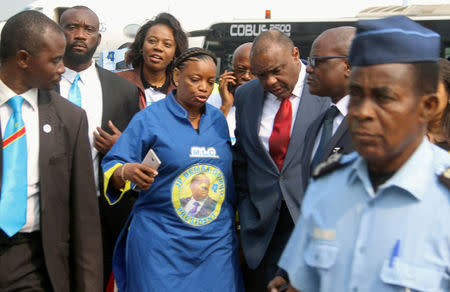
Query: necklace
<point x="193" y="117"/>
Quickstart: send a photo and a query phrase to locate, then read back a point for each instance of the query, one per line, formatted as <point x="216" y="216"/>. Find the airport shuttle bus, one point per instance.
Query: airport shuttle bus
<point x="224" y="38"/>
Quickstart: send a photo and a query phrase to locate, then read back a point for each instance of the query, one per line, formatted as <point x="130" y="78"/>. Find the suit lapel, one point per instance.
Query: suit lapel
<point x="47" y="119"/>
<point x="296" y="143"/>
<point x="106" y="94"/>
<point x="312" y="136"/>
<point x="52" y="146"/>
<point x="254" y="117"/>
<point x="335" y="139"/>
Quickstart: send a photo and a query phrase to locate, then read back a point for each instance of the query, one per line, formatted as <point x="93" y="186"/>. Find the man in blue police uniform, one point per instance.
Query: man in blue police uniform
<point x="378" y="220"/>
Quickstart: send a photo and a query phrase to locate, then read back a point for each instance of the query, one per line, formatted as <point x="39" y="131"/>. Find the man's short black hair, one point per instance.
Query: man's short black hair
<point x="78" y="7"/>
<point x="266" y="39"/>
<point x="23" y="31"/>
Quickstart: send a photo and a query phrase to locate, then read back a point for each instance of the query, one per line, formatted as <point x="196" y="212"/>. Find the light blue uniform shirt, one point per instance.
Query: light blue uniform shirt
<point x="345" y="238"/>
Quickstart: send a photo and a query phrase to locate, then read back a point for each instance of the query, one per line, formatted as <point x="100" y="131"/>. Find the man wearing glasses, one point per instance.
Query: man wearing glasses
<point x="328" y="76"/>
<point x="377" y="219"/>
<point x="229" y="81"/>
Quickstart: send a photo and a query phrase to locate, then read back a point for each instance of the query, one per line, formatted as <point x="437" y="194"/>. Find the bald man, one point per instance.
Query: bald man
<point x="328" y="76"/>
<point x="229" y="81"/>
<point x="273" y="113"/>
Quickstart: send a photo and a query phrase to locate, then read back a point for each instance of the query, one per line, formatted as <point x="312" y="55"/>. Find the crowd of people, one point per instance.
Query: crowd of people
<point x="327" y="172"/>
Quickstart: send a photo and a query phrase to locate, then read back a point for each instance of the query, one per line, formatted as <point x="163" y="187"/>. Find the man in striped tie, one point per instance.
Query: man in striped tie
<point x="49" y="221"/>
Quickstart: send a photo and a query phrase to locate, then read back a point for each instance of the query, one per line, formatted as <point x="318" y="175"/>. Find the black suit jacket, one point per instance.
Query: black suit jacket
<point x="120" y="104"/>
<point x="340" y="143"/>
<point x="69" y="217"/>
<point x="260" y="185"/>
<point x="120" y="99"/>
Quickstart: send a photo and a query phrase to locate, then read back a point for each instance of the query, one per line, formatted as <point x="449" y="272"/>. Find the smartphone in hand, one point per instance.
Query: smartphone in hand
<point x="151" y="160"/>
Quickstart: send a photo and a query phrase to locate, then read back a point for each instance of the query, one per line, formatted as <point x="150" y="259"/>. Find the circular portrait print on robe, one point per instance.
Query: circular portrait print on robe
<point x="198" y="194"/>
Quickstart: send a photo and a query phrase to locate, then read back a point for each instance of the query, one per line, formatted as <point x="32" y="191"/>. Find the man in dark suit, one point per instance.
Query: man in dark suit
<point x="273" y="113"/>
<point x="199" y="205"/>
<point x="109" y="100"/>
<point x="328" y="76"/>
<point x="48" y="211"/>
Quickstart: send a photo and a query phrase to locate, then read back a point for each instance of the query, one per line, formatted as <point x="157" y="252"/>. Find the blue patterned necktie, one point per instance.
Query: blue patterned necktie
<point x="13" y="200"/>
<point x="193" y="211"/>
<point x="74" y="91"/>
<point x="327" y="132"/>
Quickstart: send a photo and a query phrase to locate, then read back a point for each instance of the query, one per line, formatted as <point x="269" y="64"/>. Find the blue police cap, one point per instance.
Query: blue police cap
<point x="395" y="39"/>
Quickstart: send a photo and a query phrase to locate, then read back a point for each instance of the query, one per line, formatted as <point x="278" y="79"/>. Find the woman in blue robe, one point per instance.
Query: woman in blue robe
<point x="180" y="235"/>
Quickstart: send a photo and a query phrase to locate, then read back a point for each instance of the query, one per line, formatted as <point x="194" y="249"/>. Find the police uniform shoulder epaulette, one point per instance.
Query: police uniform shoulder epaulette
<point x="444" y="178"/>
<point x="333" y="162"/>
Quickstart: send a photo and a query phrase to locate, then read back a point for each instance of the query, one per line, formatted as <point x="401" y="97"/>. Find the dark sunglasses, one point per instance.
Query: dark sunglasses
<point x="312" y="61"/>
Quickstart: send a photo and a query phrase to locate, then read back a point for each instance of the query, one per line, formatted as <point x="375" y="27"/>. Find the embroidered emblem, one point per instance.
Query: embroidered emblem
<point x="203" y="152"/>
<point x="327" y="166"/>
<point x="198" y="194"/>
<point x="324" y="234"/>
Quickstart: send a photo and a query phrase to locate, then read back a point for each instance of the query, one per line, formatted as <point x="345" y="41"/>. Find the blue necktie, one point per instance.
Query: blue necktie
<point x="327" y="132"/>
<point x="194" y="210"/>
<point x="13" y="200"/>
<point x="74" y="92"/>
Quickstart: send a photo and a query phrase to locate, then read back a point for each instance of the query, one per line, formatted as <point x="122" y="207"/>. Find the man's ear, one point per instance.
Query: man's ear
<point x="347" y="69"/>
<point x="295" y="53"/>
<point x="428" y="107"/>
<point x="23" y="59"/>
<point x="176" y="76"/>
<point x="99" y="39"/>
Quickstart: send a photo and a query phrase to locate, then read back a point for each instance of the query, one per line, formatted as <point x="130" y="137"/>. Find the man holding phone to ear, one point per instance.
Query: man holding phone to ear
<point x="229" y="81"/>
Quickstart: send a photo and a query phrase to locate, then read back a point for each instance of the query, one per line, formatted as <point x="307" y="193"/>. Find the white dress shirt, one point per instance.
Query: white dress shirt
<point x="272" y="104"/>
<point x="91" y="102"/>
<point x="216" y="100"/>
<point x="342" y="106"/>
<point x="30" y="116"/>
<point x="152" y="95"/>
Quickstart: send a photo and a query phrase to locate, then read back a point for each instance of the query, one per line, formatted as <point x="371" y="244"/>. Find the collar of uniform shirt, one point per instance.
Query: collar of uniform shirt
<point x="90" y="72"/>
<point x="30" y="95"/>
<point x="404" y="178"/>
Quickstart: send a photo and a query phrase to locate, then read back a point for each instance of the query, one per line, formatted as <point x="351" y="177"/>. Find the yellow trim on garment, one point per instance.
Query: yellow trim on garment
<point x="108" y="174"/>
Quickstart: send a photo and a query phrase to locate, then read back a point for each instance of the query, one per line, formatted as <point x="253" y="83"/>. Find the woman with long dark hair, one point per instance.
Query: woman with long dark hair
<point x="156" y="45"/>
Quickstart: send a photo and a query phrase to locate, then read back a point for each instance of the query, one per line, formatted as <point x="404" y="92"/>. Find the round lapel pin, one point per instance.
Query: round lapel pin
<point x="47" y="128"/>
